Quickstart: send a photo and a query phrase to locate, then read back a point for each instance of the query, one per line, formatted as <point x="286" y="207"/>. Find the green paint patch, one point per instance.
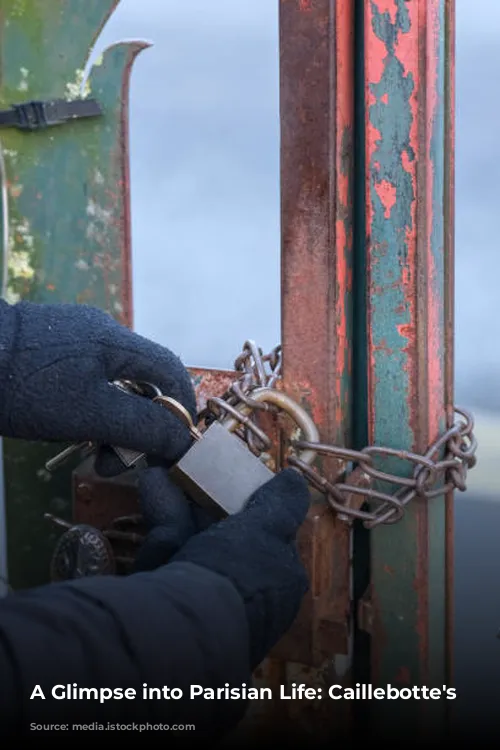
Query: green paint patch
<point x="392" y="117"/>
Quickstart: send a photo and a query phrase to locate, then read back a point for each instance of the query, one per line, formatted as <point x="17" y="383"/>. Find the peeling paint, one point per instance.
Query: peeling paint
<point x="78" y="88"/>
<point x="409" y="348"/>
<point x="20" y="259"/>
<point x="391" y="214"/>
<point x="18" y="8"/>
<point x="19" y="265"/>
<point x="386" y="192"/>
<point x="11" y="154"/>
<point x="23" y="85"/>
<point x="97" y="212"/>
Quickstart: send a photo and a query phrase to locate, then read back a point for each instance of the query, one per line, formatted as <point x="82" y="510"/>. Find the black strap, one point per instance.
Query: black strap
<point x="39" y="115"/>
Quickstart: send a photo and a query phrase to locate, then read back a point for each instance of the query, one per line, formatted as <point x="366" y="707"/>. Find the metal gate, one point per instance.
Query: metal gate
<point x="367" y="145"/>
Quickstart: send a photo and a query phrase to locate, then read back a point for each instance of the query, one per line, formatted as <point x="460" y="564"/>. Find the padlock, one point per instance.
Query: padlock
<point x="219" y="471"/>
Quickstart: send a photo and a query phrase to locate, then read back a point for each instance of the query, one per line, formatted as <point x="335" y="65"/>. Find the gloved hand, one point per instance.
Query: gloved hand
<point x="169" y="516"/>
<point x="255" y="549"/>
<point x="56" y="364"/>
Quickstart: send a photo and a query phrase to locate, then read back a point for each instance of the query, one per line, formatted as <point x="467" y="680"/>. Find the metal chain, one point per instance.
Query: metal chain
<point x="432" y="475"/>
<point x="442" y="468"/>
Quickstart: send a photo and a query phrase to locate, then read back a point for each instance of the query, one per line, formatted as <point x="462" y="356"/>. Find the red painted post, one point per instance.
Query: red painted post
<point x="317" y="119"/>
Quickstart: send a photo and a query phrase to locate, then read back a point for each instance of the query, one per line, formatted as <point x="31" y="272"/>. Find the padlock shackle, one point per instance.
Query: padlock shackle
<point x="287" y="405"/>
<point x="178" y="410"/>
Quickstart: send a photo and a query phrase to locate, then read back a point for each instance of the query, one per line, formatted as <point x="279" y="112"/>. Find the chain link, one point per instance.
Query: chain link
<point x="441" y="469"/>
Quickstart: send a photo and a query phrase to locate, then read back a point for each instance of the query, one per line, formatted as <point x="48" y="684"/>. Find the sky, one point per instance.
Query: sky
<point x="204" y="130"/>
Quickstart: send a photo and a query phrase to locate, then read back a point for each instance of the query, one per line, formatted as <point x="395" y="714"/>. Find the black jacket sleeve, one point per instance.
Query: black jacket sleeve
<point x="178" y="626"/>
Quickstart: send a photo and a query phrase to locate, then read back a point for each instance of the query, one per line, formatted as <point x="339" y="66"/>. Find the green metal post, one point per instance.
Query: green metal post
<point x="409" y="146"/>
<point x="67" y="218"/>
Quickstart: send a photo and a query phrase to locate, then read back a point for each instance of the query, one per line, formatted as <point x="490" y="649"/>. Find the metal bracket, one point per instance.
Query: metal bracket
<point x="38" y="115"/>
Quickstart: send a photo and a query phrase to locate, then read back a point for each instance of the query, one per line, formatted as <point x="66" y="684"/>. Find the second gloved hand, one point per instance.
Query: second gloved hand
<point x="255" y="549"/>
<point x="169" y="516"/>
<point x="56" y="364"/>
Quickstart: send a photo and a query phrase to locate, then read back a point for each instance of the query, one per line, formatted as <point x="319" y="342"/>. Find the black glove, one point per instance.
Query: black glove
<point x="56" y="364"/>
<point x="255" y="549"/>
<point x="169" y="516"/>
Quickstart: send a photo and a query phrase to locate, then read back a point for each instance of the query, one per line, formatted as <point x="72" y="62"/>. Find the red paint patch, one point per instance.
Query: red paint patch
<point x="50" y="287"/>
<point x="408" y="332"/>
<point x="385" y="98"/>
<point x="435" y="322"/>
<point x="406" y="162"/>
<point x="305" y="5"/>
<point x="376" y="57"/>
<point x="387" y="194"/>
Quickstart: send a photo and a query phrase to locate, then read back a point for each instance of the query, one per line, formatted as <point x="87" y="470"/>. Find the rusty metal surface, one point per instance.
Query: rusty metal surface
<point x="317" y="109"/>
<point x="316" y="63"/>
<point x="65" y="217"/>
<point x="321" y="624"/>
<point x="409" y="218"/>
<point x="208" y="383"/>
<point x="98" y="501"/>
